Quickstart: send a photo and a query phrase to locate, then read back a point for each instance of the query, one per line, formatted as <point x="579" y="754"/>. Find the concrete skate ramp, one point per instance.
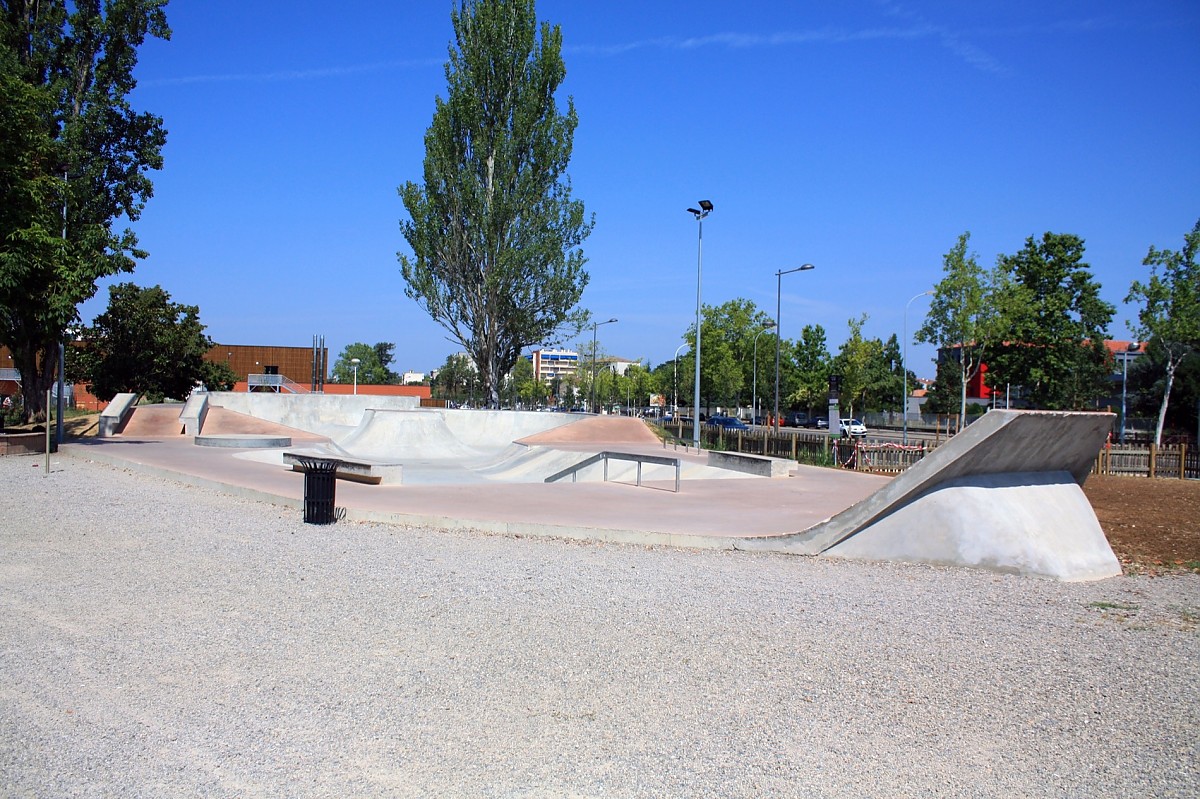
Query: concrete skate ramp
<point x="331" y="415"/>
<point x="1004" y="494"/>
<point x="432" y="434"/>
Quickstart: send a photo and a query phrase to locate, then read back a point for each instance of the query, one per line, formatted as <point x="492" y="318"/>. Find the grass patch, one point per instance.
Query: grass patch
<point x="1112" y="606"/>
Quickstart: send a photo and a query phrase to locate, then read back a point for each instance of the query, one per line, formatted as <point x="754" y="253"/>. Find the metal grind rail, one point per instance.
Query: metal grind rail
<point x="617" y="456"/>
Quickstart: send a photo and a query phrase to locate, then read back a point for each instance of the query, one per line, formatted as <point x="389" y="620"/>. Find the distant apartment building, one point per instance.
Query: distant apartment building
<point x="549" y="364"/>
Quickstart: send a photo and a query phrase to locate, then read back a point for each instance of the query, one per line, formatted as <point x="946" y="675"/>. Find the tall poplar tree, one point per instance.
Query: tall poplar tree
<point x="73" y="160"/>
<point x="494" y="231"/>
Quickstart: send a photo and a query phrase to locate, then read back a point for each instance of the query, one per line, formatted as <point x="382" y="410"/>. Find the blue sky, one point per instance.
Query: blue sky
<point x="859" y="136"/>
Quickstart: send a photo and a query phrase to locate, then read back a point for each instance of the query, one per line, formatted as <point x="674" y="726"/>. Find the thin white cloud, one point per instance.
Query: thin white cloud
<point x="295" y="74"/>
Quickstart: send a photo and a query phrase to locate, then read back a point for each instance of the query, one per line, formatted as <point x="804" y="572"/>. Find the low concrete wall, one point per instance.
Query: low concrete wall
<point x="760" y="465"/>
<point x="324" y="414"/>
<point x="116" y="414"/>
<point x="22" y="443"/>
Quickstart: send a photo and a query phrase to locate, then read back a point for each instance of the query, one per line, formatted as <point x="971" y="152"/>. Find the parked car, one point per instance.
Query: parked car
<point x="727" y="422"/>
<point x="853" y="427"/>
<point x="817" y="422"/>
<point x="796" y="419"/>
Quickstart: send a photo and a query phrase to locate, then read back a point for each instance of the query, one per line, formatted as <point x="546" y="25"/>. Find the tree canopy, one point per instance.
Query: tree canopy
<point x="1052" y="325"/>
<point x="148" y="345"/>
<point x="1170" y="313"/>
<point x="961" y="320"/>
<point x="372" y="366"/>
<point x="494" y="231"/>
<point x="74" y="157"/>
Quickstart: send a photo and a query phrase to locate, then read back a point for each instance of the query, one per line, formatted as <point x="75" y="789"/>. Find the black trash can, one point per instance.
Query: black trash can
<point x="320" y="488"/>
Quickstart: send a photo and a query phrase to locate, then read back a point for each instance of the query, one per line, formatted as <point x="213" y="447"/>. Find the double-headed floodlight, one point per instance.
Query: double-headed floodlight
<point x="706" y="207"/>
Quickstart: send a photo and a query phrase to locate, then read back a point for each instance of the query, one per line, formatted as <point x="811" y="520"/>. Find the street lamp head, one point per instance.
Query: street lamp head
<point x="355" y="361"/>
<point x="806" y="267"/>
<point x="770" y="324"/>
<point x="611" y="320"/>
<point x="693" y="211"/>
<point x="706" y="205"/>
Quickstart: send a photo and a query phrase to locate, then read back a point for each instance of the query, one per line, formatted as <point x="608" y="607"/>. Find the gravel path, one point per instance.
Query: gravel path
<point x="158" y="640"/>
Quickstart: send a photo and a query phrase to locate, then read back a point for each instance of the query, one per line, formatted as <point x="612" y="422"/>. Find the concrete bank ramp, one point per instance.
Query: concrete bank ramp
<point x="442" y="433"/>
<point x="1004" y="495"/>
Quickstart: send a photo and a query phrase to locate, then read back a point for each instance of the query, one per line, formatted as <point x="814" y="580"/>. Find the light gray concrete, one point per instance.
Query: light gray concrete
<point x="1003" y="494"/>
<point x="758" y="465"/>
<point x="116" y="414"/>
<point x="195" y="411"/>
<point x="331" y="415"/>
<point x="242" y="441"/>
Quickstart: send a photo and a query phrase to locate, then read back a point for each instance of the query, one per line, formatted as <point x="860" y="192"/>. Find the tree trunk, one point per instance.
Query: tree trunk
<point x="962" y="405"/>
<point x="34" y="382"/>
<point x="1162" y="409"/>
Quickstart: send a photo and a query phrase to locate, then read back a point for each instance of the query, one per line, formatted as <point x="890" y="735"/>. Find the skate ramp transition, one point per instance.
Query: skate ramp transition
<point x="440" y="446"/>
<point x="1004" y="494"/>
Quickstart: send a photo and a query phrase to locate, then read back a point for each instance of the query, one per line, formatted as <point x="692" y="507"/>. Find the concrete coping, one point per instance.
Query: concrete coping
<point x="760" y="465"/>
<point x="243" y="441"/>
<point x="355" y="469"/>
<point x="195" y="411"/>
<point x="116" y="414"/>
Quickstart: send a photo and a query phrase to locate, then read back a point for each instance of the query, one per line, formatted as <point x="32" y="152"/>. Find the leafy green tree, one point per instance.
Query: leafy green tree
<point x="1051" y="325"/>
<point x="885" y="378"/>
<point x="523" y="384"/>
<point x="961" y="321"/>
<point x="73" y="161"/>
<point x="853" y="362"/>
<point x="944" y="395"/>
<point x="813" y="362"/>
<point x="145" y="344"/>
<point x="456" y="379"/>
<point x="218" y="376"/>
<point x="1170" y="313"/>
<point x="494" y="231"/>
<point x="371" y="372"/>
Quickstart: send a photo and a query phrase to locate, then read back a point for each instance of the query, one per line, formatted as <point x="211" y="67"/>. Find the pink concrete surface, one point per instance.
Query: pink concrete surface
<point x="596" y="429"/>
<point x="162" y="421"/>
<point x="703" y="513"/>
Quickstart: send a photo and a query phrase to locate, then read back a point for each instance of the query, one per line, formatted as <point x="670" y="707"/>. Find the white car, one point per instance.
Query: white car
<point x="853" y="427"/>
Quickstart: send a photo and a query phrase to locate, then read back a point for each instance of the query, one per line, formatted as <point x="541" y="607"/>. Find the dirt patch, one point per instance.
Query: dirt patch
<point x="1150" y="524"/>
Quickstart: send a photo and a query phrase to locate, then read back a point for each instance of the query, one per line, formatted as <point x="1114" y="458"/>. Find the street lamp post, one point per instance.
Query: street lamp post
<point x="1124" y="377"/>
<point x="675" y="399"/>
<point x="904" y="365"/>
<point x="778" y="292"/>
<point x="354" y="362"/>
<point x="706" y="208"/>
<point x="594" y="326"/>
<point x="754" y="390"/>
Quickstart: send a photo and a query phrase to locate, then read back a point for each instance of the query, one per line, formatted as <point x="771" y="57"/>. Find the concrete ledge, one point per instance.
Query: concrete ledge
<point x="22" y="443"/>
<point x="243" y="441"/>
<point x="356" y="470"/>
<point x="761" y="465"/>
<point x="195" y="410"/>
<point x="115" y="415"/>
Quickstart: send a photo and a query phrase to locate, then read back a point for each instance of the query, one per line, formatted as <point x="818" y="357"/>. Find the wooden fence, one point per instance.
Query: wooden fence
<point x="1174" y="460"/>
<point x="806" y="447"/>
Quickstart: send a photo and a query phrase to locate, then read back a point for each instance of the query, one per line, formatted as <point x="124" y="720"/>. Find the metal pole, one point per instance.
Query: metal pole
<point x="593" y="405"/>
<point x="1124" y="378"/>
<point x="696" y="392"/>
<point x="779" y="329"/>
<point x="904" y="365"/>
<point x="754" y="390"/>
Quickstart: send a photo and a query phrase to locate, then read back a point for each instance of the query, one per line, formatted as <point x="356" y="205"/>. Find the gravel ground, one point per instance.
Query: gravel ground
<point x="158" y="640"/>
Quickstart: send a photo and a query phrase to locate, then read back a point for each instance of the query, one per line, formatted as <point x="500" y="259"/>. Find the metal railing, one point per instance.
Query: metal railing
<point x="277" y="383"/>
<point x="573" y="471"/>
